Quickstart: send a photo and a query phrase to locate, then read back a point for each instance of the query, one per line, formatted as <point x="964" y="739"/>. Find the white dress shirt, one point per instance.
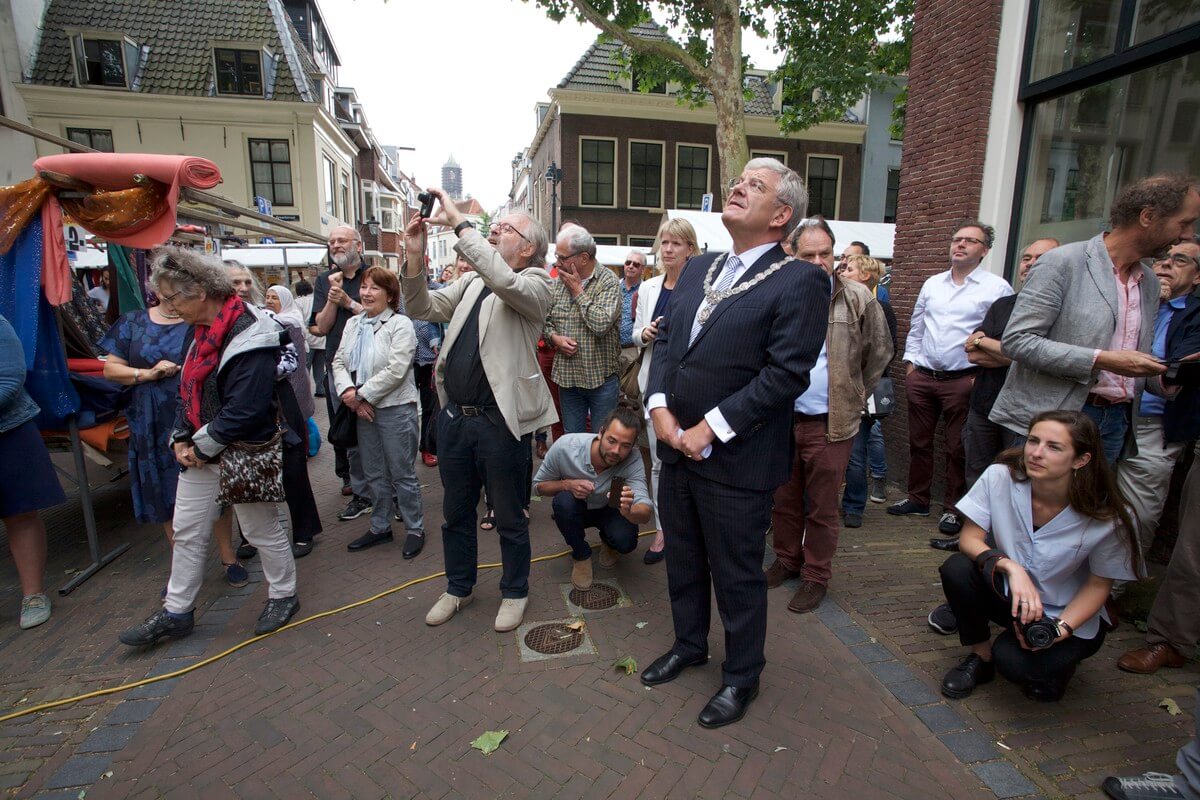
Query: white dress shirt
<point x="715" y="419"/>
<point x="946" y="314"/>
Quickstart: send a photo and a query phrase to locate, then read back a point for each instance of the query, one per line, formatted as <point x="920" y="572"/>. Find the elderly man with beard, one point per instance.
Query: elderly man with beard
<point x="335" y="300"/>
<point x="492" y="393"/>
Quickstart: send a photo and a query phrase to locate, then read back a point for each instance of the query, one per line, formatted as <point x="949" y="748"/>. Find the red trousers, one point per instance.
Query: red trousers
<point x="545" y="356"/>
<point x="805" y="519"/>
<point x="928" y="401"/>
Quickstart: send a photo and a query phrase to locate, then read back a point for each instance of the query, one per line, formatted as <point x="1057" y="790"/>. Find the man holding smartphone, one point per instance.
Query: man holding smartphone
<point x="597" y="481"/>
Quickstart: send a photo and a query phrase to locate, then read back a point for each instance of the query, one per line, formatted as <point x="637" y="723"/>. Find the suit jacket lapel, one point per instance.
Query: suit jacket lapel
<point x="469" y="297"/>
<point x="766" y="260"/>
<point x="1100" y="268"/>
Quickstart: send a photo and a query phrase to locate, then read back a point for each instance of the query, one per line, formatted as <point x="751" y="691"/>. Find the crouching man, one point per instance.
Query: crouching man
<point x="578" y="472"/>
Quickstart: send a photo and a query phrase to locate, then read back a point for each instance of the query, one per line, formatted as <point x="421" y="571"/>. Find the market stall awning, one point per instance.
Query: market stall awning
<point x="711" y="233"/>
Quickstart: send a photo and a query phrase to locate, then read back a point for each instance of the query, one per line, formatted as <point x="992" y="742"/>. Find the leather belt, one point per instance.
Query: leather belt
<point x="1100" y="401"/>
<point x="798" y="417"/>
<point x="474" y="411"/>
<point x="946" y="374"/>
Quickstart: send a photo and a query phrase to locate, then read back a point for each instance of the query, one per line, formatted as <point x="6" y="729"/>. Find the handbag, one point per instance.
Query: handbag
<point x="252" y="472"/>
<point x="628" y="381"/>
<point x="343" y="428"/>
<point x="883" y="400"/>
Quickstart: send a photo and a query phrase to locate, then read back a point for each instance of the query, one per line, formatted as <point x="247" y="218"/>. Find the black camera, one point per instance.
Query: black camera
<point x="1041" y="632"/>
<point x="426" y="200"/>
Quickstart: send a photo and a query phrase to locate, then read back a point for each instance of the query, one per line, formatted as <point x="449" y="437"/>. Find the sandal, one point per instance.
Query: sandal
<point x="488" y="523"/>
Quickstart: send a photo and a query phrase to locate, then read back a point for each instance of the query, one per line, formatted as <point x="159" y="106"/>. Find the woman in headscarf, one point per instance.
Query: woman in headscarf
<point x="227" y="397"/>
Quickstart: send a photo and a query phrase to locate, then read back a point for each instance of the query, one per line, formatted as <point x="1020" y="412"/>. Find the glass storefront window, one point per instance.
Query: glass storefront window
<point x="1157" y="17"/>
<point x="1089" y="144"/>
<point x="1072" y="33"/>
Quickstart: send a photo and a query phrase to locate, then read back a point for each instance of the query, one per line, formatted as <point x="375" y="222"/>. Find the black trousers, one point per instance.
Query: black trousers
<point x="983" y="440"/>
<point x="429" y="407"/>
<point x="475" y="452"/>
<point x="975" y="604"/>
<point x="717" y="541"/>
<point x="341" y="461"/>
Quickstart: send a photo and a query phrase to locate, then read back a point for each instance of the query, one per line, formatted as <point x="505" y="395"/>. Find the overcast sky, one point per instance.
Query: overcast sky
<point x="455" y="77"/>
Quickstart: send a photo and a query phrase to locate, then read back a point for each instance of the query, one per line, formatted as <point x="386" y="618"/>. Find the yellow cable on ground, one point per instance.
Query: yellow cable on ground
<point x="226" y="653"/>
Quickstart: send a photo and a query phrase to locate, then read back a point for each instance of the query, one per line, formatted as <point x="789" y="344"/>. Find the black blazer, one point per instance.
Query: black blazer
<point x="751" y="360"/>
<point x="1181" y="417"/>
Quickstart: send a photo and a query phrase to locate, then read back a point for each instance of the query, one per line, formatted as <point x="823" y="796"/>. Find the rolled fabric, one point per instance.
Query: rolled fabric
<point x="116" y="171"/>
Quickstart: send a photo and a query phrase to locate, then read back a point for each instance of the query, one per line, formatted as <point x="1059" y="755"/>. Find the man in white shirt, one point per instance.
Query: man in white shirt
<point x="950" y="307"/>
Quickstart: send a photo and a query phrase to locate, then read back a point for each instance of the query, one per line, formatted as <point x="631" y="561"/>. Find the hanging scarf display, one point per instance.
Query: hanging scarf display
<point x="205" y="356"/>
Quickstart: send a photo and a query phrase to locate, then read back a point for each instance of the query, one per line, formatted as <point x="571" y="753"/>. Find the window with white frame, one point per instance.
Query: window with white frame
<point x="239" y="71"/>
<point x="645" y="174"/>
<point x="388" y="216"/>
<point x="778" y="155"/>
<point x="96" y="138"/>
<point x="641" y="241"/>
<point x="330" y="182"/>
<point x="344" y="193"/>
<point x="370" y="201"/>
<point x="100" y="60"/>
<point x="823" y="174"/>
<point x="271" y="170"/>
<point x="597" y="172"/>
<point x="691" y="174"/>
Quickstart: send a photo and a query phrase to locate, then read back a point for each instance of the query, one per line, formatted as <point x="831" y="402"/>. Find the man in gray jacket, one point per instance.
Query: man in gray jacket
<point x="1081" y="330"/>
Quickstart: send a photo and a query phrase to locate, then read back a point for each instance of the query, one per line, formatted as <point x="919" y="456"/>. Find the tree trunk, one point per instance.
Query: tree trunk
<point x="726" y="88"/>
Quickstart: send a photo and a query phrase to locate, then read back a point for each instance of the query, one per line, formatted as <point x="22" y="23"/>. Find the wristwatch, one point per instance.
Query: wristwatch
<point x="466" y="223"/>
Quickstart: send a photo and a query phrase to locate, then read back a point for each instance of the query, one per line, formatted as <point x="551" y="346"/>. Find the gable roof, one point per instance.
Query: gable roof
<point x="179" y="34"/>
<point x="598" y="70"/>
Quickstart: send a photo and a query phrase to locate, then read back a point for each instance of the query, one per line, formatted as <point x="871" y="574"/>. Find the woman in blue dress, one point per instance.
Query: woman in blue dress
<point x="145" y="349"/>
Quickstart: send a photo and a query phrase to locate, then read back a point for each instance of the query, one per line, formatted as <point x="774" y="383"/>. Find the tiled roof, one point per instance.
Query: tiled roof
<point x="597" y="71"/>
<point x="179" y="34"/>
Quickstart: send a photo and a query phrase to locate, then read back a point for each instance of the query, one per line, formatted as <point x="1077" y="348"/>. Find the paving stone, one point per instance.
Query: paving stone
<point x="79" y="771"/>
<point x="871" y="652"/>
<point x="970" y="746"/>
<point x="913" y="693"/>
<point x="1004" y="779"/>
<point x="153" y="690"/>
<point x="851" y="634"/>
<point x="941" y="718"/>
<point x="107" y="739"/>
<point x="890" y="672"/>
<point x="1054" y="767"/>
<point x="133" y="711"/>
<point x="832" y="615"/>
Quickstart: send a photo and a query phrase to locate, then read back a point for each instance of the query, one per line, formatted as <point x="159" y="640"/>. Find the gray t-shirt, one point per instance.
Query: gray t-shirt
<point x="570" y="458"/>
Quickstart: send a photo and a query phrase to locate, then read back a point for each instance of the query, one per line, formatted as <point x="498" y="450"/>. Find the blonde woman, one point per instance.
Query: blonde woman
<point x="676" y="244"/>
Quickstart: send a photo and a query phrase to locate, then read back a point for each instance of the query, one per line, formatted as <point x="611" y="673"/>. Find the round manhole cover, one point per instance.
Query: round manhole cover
<point x="553" y="639"/>
<point x="599" y="597"/>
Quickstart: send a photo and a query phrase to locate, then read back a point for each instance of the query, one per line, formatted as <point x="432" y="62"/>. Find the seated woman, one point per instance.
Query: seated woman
<point x="1062" y="534"/>
<point x="373" y="376"/>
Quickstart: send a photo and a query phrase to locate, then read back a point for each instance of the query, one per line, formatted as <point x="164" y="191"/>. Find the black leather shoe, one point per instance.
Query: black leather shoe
<point x="949" y="544"/>
<point x="654" y="556"/>
<point x="413" y="544"/>
<point x="158" y="625"/>
<point x="962" y="680"/>
<point x="1045" y="691"/>
<point x="301" y="549"/>
<point x="276" y="614"/>
<point x="368" y="540"/>
<point x="727" y="706"/>
<point x="246" y="551"/>
<point x="667" y="668"/>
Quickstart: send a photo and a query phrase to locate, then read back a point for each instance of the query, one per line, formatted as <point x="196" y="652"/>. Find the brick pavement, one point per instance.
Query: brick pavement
<point x="373" y="703"/>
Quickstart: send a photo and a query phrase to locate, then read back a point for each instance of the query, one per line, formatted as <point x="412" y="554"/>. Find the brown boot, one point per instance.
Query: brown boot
<point x="777" y="573"/>
<point x="581" y="574"/>
<point x="807" y="597"/>
<point x="1149" y="659"/>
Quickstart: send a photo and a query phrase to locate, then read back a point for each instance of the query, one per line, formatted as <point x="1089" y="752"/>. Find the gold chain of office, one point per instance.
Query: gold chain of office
<point x="712" y="298"/>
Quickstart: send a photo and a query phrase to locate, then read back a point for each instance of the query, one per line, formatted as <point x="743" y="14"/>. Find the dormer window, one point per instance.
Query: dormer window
<point x="110" y="61"/>
<point x="239" y="71"/>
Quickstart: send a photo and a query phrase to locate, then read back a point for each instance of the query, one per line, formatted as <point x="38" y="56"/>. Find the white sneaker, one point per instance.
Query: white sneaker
<point x="512" y="611"/>
<point x="446" y="607"/>
<point x="35" y="609"/>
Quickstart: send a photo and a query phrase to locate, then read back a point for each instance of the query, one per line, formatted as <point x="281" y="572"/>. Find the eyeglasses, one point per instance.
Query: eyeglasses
<point x="754" y="184"/>
<point x="169" y="299"/>
<point x="1183" y="260"/>
<point x="631" y="262"/>
<point x="966" y="240"/>
<point x="504" y="227"/>
<point x="564" y="259"/>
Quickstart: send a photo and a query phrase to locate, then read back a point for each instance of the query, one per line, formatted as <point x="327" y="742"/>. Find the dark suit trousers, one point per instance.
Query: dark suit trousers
<point x="717" y="540"/>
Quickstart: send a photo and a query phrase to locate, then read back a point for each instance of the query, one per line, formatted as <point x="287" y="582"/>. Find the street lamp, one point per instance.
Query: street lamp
<point x="554" y="178"/>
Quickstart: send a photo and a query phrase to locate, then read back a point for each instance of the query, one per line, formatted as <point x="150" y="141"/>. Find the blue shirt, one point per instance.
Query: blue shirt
<point x="627" y="313"/>
<point x="815" y="399"/>
<point x="1152" y="404"/>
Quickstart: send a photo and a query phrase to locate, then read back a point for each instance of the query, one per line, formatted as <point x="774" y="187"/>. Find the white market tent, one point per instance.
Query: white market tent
<point x="711" y="233"/>
<point x="609" y="255"/>
<point x="277" y="255"/>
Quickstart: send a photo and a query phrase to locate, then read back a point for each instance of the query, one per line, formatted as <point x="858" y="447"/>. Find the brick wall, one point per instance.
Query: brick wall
<point x="941" y="172"/>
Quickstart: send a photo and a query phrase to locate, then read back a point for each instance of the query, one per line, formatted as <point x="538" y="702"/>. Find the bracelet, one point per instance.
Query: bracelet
<point x="1062" y="623"/>
<point x="137" y="376"/>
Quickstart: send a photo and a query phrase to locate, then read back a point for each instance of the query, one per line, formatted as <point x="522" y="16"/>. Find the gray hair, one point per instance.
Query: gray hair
<point x="806" y="225"/>
<point x="578" y="239"/>
<point x="257" y="296"/>
<point x="792" y="192"/>
<point x="189" y="272"/>
<point x="638" y="253"/>
<point x="535" y="234"/>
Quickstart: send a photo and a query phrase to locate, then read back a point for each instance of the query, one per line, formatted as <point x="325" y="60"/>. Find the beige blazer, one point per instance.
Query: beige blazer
<point x="510" y="322"/>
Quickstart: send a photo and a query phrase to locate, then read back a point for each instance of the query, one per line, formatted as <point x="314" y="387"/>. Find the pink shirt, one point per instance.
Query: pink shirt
<point x="1117" y="388"/>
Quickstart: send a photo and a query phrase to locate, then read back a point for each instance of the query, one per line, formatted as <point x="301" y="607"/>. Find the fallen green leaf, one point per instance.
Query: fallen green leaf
<point x="628" y="663"/>
<point x="1171" y="706"/>
<point x="489" y="741"/>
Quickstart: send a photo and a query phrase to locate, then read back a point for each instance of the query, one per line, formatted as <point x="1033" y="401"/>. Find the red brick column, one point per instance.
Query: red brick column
<point x="941" y="172"/>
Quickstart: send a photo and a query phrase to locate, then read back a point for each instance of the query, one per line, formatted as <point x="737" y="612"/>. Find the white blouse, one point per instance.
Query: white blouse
<point x="1061" y="555"/>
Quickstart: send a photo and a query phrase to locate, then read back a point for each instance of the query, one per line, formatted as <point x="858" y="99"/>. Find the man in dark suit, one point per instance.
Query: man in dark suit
<point x="742" y="332"/>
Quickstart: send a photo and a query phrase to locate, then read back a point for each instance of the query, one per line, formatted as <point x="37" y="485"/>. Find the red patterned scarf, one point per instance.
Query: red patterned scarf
<point x="204" y="356"/>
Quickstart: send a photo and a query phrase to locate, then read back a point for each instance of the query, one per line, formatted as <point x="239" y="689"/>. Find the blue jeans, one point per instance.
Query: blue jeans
<point x="578" y="403"/>
<point x="868" y="446"/>
<point x="573" y="518"/>
<point x="388" y="447"/>
<point x="1113" y="422"/>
